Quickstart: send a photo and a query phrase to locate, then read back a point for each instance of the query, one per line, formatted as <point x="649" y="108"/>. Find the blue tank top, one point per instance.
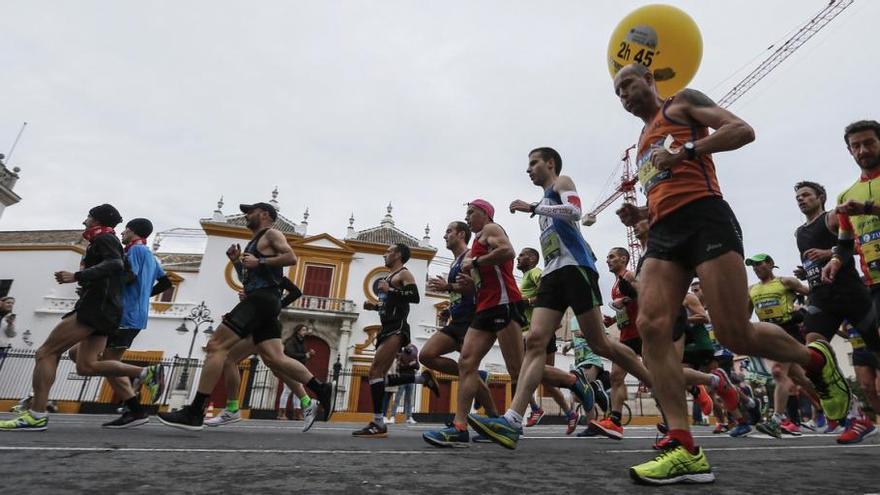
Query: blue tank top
<point x="562" y="243"/>
<point x="261" y="277"/>
<point x="461" y="306"/>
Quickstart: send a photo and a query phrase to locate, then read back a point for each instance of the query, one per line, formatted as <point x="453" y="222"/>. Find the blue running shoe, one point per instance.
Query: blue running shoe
<point x="447" y="437"/>
<point x="583" y="390"/>
<point x="740" y="430"/>
<point x="497" y="429"/>
<point x="478" y="438"/>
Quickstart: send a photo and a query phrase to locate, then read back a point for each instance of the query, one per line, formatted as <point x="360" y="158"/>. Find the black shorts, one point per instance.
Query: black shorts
<point x="457" y="328"/>
<point x="497" y="318"/>
<point x="392" y="328"/>
<point x="256" y="316"/>
<point x="794" y="329"/>
<point x="575" y="287"/>
<point x="828" y="309"/>
<point x="697" y="232"/>
<point x="634" y="344"/>
<point x="122" y="338"/>
<point x="698" y="358"/>
<point x="100" y="324"/>
<point x="864" y="357"/>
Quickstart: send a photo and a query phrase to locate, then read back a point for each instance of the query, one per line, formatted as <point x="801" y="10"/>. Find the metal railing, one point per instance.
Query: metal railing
<point x="314" y="303"/>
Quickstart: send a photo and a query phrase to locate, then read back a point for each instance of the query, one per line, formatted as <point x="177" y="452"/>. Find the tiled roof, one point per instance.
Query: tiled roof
<point x="385" y="236"/>
<point x="73" y="237"/>
<point x="180" y="262"/>
<point x="282" y="223"/>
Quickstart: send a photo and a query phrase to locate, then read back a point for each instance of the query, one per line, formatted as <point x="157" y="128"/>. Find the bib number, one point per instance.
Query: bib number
<point x="550" y="245"/>
<point x="814" y="272"/>
<point x="649" y="175"/>
<point x="622" y="319"/>
<point x="871" y="250"/>
<point x="770" y="310"/>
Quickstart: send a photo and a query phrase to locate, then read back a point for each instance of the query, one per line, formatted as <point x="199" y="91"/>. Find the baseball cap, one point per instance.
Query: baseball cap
<point x="485" y="206"/>
<point x="273" y="214"/>
<point x="759" y="258"/>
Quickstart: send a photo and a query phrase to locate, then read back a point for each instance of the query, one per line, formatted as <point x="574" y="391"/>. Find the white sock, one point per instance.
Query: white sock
<point x="514" y="418"/>
<point x="38" y="415"/>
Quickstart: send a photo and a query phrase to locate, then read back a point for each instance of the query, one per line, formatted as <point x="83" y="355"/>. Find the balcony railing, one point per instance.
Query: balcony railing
<point x="62" y="305"/>
<point x="323" y="304"/>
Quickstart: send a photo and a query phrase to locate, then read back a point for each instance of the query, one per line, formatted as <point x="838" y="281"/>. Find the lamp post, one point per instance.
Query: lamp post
<point x="198" y="315"/>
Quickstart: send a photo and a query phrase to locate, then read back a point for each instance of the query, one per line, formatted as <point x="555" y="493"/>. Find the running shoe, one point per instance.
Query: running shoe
<point x="447" y="437"/>
<point x="498" y="429"/>
<point x="155" y="382"/>
<point x="572" y="422"/>
<point x="431" y="382"/>
<point x="664" y="443"/>
<point x="725" y="390"/>
<point x="820" y="420"/>
<point x="535" y="417"/>
<point x="411" y="421"/>
<point x="675" y="465"/>
<point x="224" y="418"/>
<point x="740" y="430"/>
<point x="325" y="398"/>
<point x="770" y="427"/>
<point x="856" y="431"/>
<point x="390" y="420"/>
<point x="788" y="427"/>
<point x="835" y="427"/>
<point x="18" y="408"/>
<point x="703" y="400"/>
<point x="589" y="431"/>
<point x="310" y="414"/>
<point x="185" y="419"/>
<point x="582" y="389"/>
<point x="607" y="428"/>
<point x="810" y="425"/>
<point x="128" y="420"/>
<point x="721" y="428"/>
<point x="832" y="387"/>
<point x="662" y="427"/>
<point x="478" y="438"/>
<point x="25" y="422"/>
<point x="372" y="430"/>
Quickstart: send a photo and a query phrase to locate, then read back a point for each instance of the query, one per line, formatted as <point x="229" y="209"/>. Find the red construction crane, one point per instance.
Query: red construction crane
<point x="628" y="177"/>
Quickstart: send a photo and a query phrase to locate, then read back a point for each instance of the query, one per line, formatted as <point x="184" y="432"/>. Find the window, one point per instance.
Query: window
<point x="5" y="285"/>
<point x="167" y="295"/>
<point x="318" y="281"/>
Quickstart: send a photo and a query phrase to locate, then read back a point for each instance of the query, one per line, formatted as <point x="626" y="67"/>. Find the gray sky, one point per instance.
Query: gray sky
<point x="161" y="107"/>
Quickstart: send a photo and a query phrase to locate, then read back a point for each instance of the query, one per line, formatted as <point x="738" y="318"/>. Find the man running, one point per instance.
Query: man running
<point x="396" y="292"/>
<point x="95" y="316"/>
<point x="498" y="316"/>
<point x="527" y="263"/>
<point x="260" y="269"/>
<point x="692" y="229"/>
<point x="570" y="280"/>
<point x="142" y="272"/>
<point x="462" y="305"/>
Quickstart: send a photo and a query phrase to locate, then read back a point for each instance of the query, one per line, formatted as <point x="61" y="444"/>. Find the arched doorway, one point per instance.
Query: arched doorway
<point x="317" y="365"/>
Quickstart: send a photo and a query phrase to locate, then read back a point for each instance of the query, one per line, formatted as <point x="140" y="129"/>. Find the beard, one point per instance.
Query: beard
<point x="252" y="223"/>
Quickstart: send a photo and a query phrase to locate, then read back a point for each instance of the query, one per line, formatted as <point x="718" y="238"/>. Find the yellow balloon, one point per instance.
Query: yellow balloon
<point x="662" y="38"/>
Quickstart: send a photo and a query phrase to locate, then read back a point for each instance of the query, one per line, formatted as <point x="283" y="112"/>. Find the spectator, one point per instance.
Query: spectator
<point x="7" y="323"/>
<point x="407" y="361"/>
<point x="295" y="347"/>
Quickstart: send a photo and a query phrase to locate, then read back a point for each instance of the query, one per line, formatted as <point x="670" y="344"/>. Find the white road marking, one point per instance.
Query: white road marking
<point x="222" y="451"/>
<point x="775" y="447"/>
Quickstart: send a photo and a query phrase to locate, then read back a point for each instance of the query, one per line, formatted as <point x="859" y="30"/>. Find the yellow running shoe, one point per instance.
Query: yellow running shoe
<point x="832" y="388"/>
<point x="674" y="466"/>
<point x="25" y="422"/>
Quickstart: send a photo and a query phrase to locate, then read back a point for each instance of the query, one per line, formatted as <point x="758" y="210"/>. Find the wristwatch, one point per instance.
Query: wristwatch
<point x="262" y="261"/>
<point x="690" y="150"/>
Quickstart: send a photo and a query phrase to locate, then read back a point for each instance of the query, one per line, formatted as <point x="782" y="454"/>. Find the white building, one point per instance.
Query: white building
<point x="336" y="273"/>
<point x="8" y="178"/>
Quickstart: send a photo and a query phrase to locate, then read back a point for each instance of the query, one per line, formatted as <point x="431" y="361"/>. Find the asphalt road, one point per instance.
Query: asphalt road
<point x="75" y="455"/>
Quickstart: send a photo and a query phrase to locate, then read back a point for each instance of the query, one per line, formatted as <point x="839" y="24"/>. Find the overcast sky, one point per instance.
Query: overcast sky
<point x="162" y="107"/>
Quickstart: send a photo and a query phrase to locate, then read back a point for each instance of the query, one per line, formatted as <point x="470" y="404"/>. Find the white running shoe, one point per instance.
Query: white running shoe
<point x="411" y="421"/>
<point x="389" y="421"/>
<point x="310" y="414"/>
<point x="224" y="418"/>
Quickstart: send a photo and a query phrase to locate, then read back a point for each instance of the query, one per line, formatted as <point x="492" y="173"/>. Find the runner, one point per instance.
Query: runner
<point x="692" y="229"/>
<point x="569" y="279"/>
<point x="773" y="301"/>
<point x="396" y="292"/>
<point x="498" y="316"/>
<point x="95" y="317"/>
<point x="527" y="263"/>
<point x="142" y="271"/>
<point x="461" y="309"/>
<point x="867" y="368"/>
<point x="260" y="269"/>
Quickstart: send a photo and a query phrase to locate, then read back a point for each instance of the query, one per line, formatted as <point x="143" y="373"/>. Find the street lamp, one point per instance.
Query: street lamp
<point x="198" y="315"/>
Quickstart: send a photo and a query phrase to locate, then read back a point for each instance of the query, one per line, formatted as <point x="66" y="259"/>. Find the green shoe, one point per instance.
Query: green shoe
<point x="25" y="422"/>
<point x="770" y="427"/>
<point x="674" y="466"/>
<point x="834" y="392"/>
<point x="155" y="382"/>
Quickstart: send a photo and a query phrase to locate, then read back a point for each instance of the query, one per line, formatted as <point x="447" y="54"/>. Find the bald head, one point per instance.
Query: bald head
<point x="634" y="85"/>
<point x="636" y="69"/>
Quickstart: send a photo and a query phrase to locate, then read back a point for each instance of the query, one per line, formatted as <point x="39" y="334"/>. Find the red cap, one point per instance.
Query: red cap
<point x="485" y="206"/>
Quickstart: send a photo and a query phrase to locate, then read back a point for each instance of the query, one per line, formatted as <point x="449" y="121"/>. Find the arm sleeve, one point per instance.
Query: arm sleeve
<point x="293" y="293"/>
<point x="570" y="209"/>
<point x="845" y="248"/>
<point x="111" y="262"/>
<point x="410" y="293"/>
<point x="161" y="286"/>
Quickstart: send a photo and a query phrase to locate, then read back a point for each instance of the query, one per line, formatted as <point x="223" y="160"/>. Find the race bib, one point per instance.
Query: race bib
<point x="622" y="318"/>
<point x="649" y="175"/>
<point x="769" y="310"/>
<point x="871" y="250"/>
<point x="475" y="274"/>
<point x="856" y="341"/>
<point x="550" y="245"/>
<point x="814" y="272"/>
<point x="454" y="298"/>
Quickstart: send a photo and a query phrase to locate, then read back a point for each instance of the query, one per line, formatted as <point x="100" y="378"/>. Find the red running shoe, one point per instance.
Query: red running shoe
<point x="534" y="418"/>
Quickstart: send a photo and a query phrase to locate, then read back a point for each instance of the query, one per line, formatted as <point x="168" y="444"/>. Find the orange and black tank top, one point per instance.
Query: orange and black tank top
<point x="688" y="181"/>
